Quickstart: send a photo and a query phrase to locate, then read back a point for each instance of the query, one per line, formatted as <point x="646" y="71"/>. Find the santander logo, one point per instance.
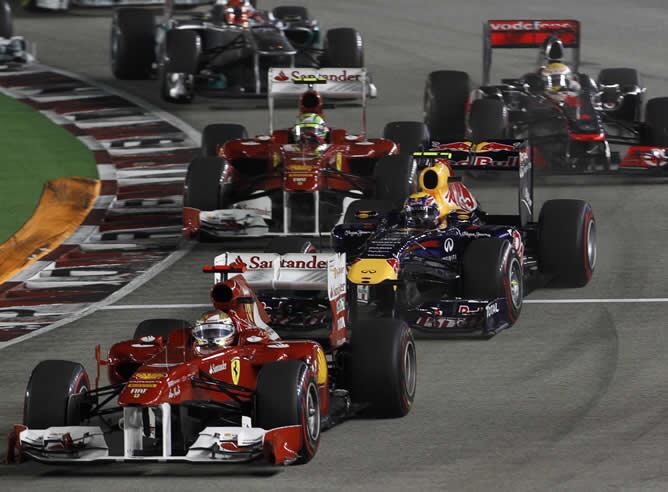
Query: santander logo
<point x="281" y="77"/>
<point x="266" y="262"/>
<point x="530" y="25"/>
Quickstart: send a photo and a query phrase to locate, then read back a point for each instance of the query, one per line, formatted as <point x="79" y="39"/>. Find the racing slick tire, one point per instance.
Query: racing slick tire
<point x="287" y="394"/>
<point x="446" y="96"/>
<point x="133" y="43"/>
<point x="567" y="242"/>
<point x="624" y="77"/>
<point x="395" y="178"/>
<point x="487" y="120"/>
<point x="6" y="24"/>
<point x="656" y="121"/>
<point x="384" y="367"/>
<point x="411" y="136"/>
<point x="219" y="134"/>
<point x="53" y="395"/>
<point x="159" y="327"/>
<point x="202" y="189"/>
<point x="492" y="269"/>
<point x="181" y="59"/>
<point x="344" y="48"/>
<point x="292" y="13"/>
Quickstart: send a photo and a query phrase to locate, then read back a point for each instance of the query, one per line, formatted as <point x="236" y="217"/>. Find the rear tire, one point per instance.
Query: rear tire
<point x="492" y="270"/>
<point x="656" y="120"/>
<point x="286" y="394"/>
<point x="202" y="184"/>
<point x="446" y="95"/>
<point x="219" y="134"/>
<point x="159" y="327"/>
<point x="344" y="48"/>
<point x="567" y="242"/>
<point x="384" y="367"/>
<point x="488" y="120"/>
<point x="50" y="399"/>
<point x="411" y="136"/>
<point x="395" y="178"/>
<point x="182" y="52"/>
<point x="6" y="22"/>
<point x="625" y="77"/>
<point x="133" y="43"/>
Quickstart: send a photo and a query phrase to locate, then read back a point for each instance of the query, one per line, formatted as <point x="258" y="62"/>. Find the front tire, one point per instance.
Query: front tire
<point x="656" y="121"/>
<point x="493" y="270"/>
<point x="384" y="367"/>
<point x="395" y="178"/>
<point x="202" y="184"/>
<point x="487" y="120"/>
<point x="567" y="242"/>
<point x="287" y="394"/>
<point x="6" y="22"/>
<point x="179" y="65"/>
<point x="53" y="395"/>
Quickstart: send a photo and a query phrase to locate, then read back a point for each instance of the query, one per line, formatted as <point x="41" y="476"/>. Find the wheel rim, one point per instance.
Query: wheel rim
<point x="312" y="412"/>
<point x="591" y="244"/>
<point x="410" y="369"/>
<point x="515" y="284"/>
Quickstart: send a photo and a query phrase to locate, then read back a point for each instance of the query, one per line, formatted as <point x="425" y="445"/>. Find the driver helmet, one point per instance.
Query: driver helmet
<point x="214" y="330"/>
<point x="236" y="12"/>
<point x="557" y="77"/>
<point x="310" y="128"/>
<point x="421" y="210"/>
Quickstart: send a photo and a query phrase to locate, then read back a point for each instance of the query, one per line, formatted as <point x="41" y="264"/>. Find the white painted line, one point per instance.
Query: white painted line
<point x="117" y="307"/>
<point x="596" y="301"/>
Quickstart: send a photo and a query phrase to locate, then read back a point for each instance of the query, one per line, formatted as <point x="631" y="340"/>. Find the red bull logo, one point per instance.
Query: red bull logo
<point x="281" y="77"/>
<point x="494" y="147"/>
<point x="455" y="146"/>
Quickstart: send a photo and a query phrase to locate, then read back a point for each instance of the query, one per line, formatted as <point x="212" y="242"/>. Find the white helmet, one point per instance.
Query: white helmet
<point x="557" y="77"/>
<point x="214" y="330"/>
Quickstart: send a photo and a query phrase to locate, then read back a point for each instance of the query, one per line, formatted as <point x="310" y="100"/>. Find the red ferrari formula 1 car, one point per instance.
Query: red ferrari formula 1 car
<point x="575" y="124"/>
<point x="225" y="389"/>
<point x="298" y="180"/>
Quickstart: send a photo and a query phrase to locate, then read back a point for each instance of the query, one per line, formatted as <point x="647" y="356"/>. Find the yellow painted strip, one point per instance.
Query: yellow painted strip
<point x="63" y="206"/>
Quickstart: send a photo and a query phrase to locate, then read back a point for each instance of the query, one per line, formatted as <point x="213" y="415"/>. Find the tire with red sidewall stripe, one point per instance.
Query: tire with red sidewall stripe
<point x="492" y="270"/>
<point x="287" y="394"/>
<point x="53" y="395"/>
<point x="567" y="242"/>
<point x="384" y="367"/>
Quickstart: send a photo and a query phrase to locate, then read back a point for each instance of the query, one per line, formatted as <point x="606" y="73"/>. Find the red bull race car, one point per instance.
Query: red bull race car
<point x="227" y="388"/>
<point x="574" y="123"/>
<point x="446" y="266"/>
<point x="298" y="180"/>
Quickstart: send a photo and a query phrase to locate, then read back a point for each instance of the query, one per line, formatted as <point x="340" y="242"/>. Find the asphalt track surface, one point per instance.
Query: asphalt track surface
<point x="574" y="397"/>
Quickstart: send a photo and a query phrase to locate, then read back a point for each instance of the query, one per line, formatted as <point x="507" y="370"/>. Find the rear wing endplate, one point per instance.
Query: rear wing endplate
<point x="497" y="155"/>
<point x="527" y="33"/>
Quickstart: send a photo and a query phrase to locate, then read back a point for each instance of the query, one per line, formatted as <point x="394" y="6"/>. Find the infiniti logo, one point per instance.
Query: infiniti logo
<point x="448" y="245"/>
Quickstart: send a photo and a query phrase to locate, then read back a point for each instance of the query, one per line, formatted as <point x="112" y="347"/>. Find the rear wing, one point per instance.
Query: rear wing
<point x="528" y="33"/>
<point x="497" y="155"/>
<point x="349" y="84"/>
<point x="324" y="272"/>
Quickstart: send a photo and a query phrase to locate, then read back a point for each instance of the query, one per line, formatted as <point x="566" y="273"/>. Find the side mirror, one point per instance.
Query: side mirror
<point x="534" y="83"/>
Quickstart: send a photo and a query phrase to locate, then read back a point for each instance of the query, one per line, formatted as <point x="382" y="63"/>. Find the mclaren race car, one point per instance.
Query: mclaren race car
<point x="227" y="388"/>
<point x="298" y="180"/>
<point x="575" y="123"/>
<point x="446" y="266"/>
<point x="226" y="50"/>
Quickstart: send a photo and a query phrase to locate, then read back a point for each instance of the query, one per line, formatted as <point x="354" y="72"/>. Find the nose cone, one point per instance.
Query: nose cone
<point x="371" y="271"/>
<point x="146" y="388"/>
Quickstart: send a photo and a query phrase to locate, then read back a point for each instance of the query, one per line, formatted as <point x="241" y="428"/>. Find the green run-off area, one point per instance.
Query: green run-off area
<point x="34" y="150"/>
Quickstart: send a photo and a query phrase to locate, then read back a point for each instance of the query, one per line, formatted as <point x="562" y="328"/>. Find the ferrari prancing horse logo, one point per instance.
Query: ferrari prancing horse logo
<point x="236" y="370"/>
